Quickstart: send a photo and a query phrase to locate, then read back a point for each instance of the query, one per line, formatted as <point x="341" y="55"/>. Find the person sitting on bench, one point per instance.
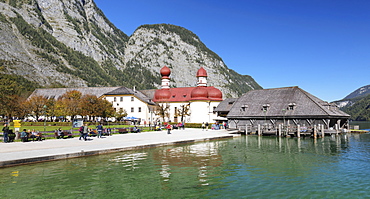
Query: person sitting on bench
<point x="24" y="136"/>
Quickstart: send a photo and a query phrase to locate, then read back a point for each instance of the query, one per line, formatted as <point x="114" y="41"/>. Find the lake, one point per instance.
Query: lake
<point x="241" y="167"/>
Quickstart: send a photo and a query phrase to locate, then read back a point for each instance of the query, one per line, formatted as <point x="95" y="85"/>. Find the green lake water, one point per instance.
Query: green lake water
<point x="243" y="167"/>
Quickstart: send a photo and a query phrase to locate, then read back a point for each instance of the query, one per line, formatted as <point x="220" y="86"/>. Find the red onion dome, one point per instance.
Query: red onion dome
<point x="162" y="95"/>
<point x="199" y="93"/>
<point x="202" y="72"/>
<point x="165" y="72"/>
<point x="214" y="93"/>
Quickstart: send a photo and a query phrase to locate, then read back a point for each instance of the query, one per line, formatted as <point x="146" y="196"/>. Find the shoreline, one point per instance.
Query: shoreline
<point x="21" y="153"/>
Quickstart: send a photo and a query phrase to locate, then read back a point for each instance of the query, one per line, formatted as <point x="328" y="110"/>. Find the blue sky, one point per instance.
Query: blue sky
<point x="322" y="46"/>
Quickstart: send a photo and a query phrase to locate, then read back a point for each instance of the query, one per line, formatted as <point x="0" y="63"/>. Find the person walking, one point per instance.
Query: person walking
<point x="203" y="126"/>
<point x="207" y="126"/>
<point x="85" y="131"/>
<point x="100" y="130"/>
<point x="5" y="132"/>
<point x="168" y="127"/>
<point x="81" y="130"/>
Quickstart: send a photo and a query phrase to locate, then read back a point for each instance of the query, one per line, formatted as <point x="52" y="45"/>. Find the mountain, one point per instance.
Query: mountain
<point x="357" y="104"/>
<point x="70" y="43"/>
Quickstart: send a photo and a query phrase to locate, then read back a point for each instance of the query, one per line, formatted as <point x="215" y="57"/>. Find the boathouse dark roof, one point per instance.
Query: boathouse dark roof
<point x="225" y="105"/>
<point x="289" y="102"/>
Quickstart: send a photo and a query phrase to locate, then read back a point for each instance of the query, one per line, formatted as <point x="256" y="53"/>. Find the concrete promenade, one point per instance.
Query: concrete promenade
<point x="17" y="153"/>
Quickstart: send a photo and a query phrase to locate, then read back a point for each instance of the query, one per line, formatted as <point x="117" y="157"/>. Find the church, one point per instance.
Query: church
<point x="201" y="101"/>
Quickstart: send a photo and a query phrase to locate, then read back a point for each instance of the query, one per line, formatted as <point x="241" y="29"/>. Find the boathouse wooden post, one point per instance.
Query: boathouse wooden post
<point x="314" y="131"/>
<point x="298" y="130"/>
<point x="279" y="131"/>
<point x="323" y="131"/>
<point x="259" y="129"/>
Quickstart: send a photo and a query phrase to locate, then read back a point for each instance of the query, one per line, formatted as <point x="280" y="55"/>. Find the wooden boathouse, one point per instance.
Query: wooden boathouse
<point x="288" y="111"/>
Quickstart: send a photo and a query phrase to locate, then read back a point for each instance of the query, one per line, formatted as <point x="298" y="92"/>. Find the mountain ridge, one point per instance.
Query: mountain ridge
<point x="60" y="43"/>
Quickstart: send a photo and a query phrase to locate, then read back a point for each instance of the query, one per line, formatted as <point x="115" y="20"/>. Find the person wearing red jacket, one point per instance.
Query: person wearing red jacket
<point x="169" y="127"/>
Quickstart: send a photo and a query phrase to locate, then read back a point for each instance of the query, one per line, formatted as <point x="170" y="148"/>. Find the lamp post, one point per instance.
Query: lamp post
<point x="45" y="107"/>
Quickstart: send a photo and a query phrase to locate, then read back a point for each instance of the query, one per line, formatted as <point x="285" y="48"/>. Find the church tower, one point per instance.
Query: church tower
<point x="202" y="77"/>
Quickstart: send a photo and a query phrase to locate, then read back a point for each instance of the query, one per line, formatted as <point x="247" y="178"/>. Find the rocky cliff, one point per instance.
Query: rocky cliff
<point x="70" y="43"/>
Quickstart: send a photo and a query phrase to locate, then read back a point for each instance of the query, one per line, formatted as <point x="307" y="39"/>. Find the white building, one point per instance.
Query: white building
<point x="202" y="100"/>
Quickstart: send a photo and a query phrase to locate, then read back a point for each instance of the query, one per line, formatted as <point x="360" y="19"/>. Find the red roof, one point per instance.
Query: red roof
<point x="165" y="72"/>
<point x="185" y="94"/>
<point x="202" y="72"/>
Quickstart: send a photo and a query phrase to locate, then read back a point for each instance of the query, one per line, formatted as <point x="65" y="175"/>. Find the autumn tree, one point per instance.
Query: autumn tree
<point x="120" y="114"/>
<point x="163" y="110"/>
<point x="35" y="106"/>
<point x="68" y="104"/>
<point x="96" y="107"/>
<point x="183" y="111"/>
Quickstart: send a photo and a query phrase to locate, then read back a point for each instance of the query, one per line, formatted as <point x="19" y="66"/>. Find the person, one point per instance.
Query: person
<point x="60" y="133"/>
<point x="203" y="126"/>
<point x="81" y="130"/>
<point x="85" y="131"/>
<point x="24" y="136"/>
<point x="135" y="129"/>
<point x="168" y="127"/>
<point x="207" y="126"/>
<point x="100" y="130"/>
<point x="109" y="131"/>
<point x="34" y="135"/>
<point x="5" y="132"/>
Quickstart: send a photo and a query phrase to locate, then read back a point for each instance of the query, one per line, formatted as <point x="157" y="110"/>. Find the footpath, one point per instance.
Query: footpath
<point x="18" y="153"/>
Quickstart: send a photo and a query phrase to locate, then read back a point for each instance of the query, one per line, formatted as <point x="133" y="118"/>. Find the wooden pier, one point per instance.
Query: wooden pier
<point x="290" y="131"/>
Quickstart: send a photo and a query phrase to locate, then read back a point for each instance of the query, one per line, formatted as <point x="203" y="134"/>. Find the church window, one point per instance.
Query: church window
<point x="132" y="99"/>
<point x="132" y="109"/>
<point x="121" y="99"/>
<point x="114" y="99"/>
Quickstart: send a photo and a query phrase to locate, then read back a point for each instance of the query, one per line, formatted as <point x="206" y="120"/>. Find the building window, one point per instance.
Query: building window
<point x="132" y="99"/>
<point x="121" y="109"/>
<point x="115" y="110"/>
<point x="291" y="106"/>
<point x="114" y="99"/>
<point x="121" y="99"/>
<point x="265" y="107"/>
<point x="244" y="107"/>
<point x="132" y="109"/>
<point x="117" y="104"/>
<point x="139" y="110"/>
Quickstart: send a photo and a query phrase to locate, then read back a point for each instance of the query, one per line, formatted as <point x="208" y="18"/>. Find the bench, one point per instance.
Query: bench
<point x="122" y="131"/>
<point x="65" y="134"/>
<point x="92" y="133"/>
<point x="138" y="130"/>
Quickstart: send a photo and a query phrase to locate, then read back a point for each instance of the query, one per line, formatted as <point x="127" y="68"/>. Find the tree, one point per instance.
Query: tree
<point x="120" y="114"/>
<point x="163" y="110"/>
<point x="68" y="104"/>
<point x="96" y="107"/>
<point x="183" y="111"/>
<point x="35" y="106"/>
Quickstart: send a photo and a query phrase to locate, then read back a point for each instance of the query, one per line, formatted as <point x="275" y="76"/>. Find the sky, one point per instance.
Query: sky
<point x="321" y="46"/>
